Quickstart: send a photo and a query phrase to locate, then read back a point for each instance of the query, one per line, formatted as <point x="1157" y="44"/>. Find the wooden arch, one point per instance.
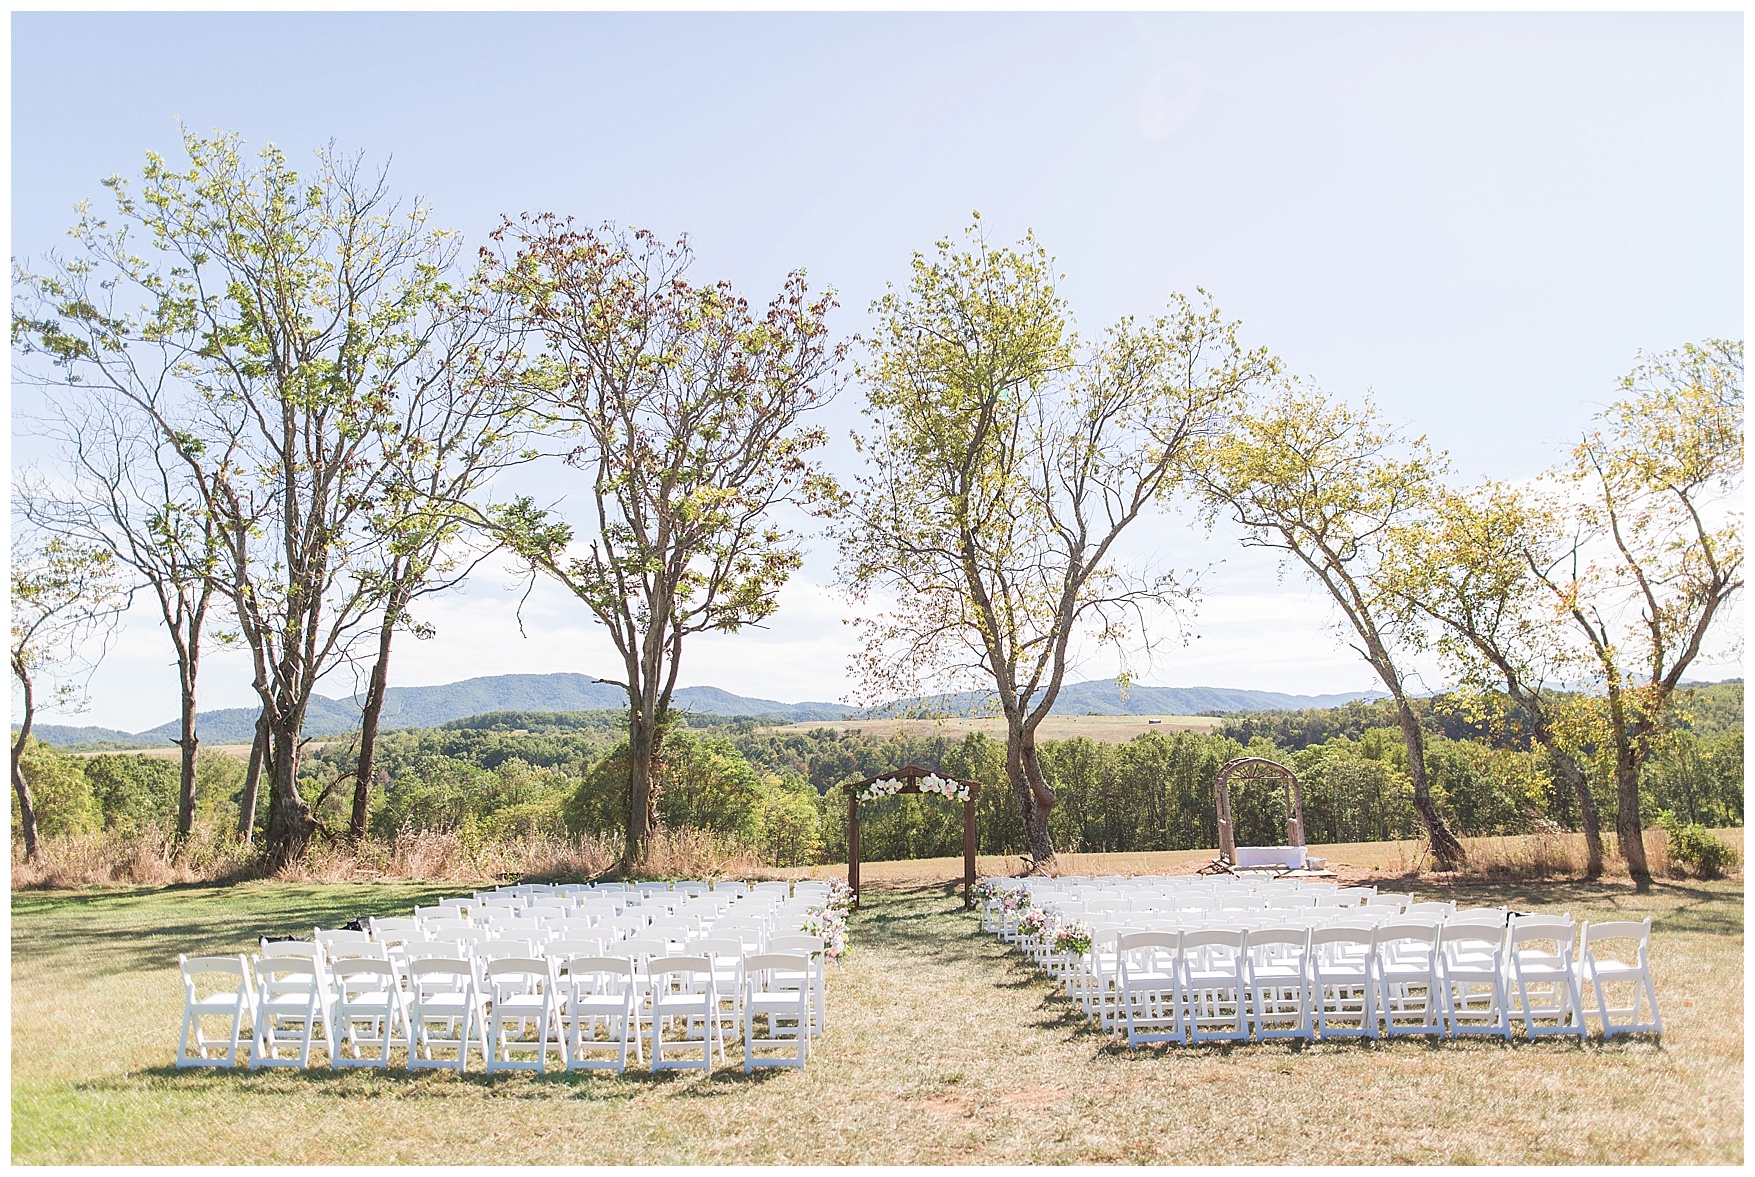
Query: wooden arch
<point x="1256" y="768"/>
<point x="911" y="776"/>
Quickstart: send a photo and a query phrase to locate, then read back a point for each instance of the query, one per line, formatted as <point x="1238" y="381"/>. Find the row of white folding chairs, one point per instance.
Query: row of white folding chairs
<point x="294" y="975"/>
<point x="1004" y="921"/>
<point x="457" y="916"/>
<point x="1416" y="977"/>
<point x="479" y="908"/>
<point x="359" y="1011"/>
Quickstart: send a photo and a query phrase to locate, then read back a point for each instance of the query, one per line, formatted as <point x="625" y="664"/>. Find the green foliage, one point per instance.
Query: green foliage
<point x="219" y="784"/>
<point x="788" y="825"/>
<point x="133" y="792"/>
<point x="706" y="784"/>
<point x="446" y="794"/>
<point x="59" y="791"/>
<point x="1692" y="847"/>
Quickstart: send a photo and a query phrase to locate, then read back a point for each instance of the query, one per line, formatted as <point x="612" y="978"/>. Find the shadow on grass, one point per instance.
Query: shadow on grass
<point x="370" y="1082"/>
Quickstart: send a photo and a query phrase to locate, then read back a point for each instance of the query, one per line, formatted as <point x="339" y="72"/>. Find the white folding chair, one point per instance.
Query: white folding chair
<point x="1213" y="985"/>
<point x="776" y="988"/>
<point x="233" y="997"/>
<point x="1601" y="969"/>
<point x="344" y="943"/>
<point x="1276" y="962"/>
<point x="368" y="1012"/>
<point x="599" y="992"/>
<point x="1404" y="959"/>
<point x="813" y="949"/>
<point x="292" y="1009"/>
<point x="1544" y="982"/>
<point x="727" y="956"/>
<point x="1471" y="979"/>
<point x="682" y="992"/>
<point x="1343" y="995"/>
<point x="521" y="995"/>
<point x="445" y="1012"/>
<point x="1148" y="992"/>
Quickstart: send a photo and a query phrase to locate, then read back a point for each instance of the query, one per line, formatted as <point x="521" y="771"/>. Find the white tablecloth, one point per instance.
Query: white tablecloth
<point x="1292" y="856"/>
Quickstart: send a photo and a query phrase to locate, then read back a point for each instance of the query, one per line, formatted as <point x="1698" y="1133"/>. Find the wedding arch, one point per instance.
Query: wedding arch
<point x="1256" y="768"/>
<point x="913" y="779"/>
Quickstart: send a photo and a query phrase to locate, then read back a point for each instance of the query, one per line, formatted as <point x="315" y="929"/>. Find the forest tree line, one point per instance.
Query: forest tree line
<point x="775" y="793"/>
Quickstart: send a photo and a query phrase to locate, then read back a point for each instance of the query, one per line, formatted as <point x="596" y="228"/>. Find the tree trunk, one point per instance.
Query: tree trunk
<point x="642" y="751"/>
<point x="186" y="783"/>
<point x="27" y="812"/>
<point x="290" y="824"/>
<point x="252" y="780"/>
<point x="1588" y="817"/>
<point x="1628" y="831"/>
<point x="1446" y="850"/>
<point x="362" y="785"/>
<point x="1024" y="767"/>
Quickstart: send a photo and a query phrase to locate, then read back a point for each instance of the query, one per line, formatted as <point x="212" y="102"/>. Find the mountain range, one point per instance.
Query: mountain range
<point x="431" y="706"/>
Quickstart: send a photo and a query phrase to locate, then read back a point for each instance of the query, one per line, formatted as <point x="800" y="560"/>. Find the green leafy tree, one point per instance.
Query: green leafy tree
<point x="788" y="825"/>
<point x="59" y="792"/>
<point x="458" y="424"/>
<point x="64" y="597"/>
<point x="1328" y="484"/>
<point x="1471" y="565"/>
<point x="1659" y="554"/>
<point x="688" y="409"/>
<point x="1003" y="466"/>
<point x="134" y="793"/>
<point x="263" y="321"/>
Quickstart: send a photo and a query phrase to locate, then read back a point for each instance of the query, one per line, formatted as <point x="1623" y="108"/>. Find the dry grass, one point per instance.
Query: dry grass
<point x="212" y="856"/>
<point x="943" y="1046"/>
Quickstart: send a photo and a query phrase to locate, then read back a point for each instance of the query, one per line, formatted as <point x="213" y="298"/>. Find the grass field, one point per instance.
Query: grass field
<point x="942" y="1046"/>
<point x="1112" y="729"/>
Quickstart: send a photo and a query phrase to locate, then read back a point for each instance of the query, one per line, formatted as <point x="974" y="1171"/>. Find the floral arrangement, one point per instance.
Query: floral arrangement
<point x="1073" y="937"/>
<point x="1015" y="899"/>
<point x="830" y="924"/>
<point x="930" y="783"/>
<point x="1034" y="922"/>
<point x="840" y="896"/>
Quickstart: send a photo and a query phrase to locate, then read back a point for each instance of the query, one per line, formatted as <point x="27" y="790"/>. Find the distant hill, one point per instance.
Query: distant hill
<point x="432" y="706"/>
<point x="1103" y="697"/>
<point x="63" y="736"/>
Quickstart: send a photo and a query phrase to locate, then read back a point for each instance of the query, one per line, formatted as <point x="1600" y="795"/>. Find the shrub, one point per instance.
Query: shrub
<point x="1693" y="849"/>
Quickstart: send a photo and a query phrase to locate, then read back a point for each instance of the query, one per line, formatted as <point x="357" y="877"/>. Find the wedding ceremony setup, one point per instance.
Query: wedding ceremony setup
<point x="533" y="976"/>
<point x="867" y="587"/>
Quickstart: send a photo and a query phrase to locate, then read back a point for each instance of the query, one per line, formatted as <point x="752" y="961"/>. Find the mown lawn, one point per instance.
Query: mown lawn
<point x="942" y="1047"/>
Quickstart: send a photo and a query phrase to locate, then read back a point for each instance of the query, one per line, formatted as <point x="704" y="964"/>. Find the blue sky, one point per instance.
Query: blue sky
<point x="1480" y="218"/>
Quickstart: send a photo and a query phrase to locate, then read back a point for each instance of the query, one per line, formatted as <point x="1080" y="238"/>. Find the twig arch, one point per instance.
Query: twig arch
<point x="1256" y="768"/>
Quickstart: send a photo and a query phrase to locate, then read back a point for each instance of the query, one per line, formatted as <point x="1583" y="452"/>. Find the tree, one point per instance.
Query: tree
<point x="456" y="427"/>
<point x="131" y="496"/>
<point x="688" y="410"/>
<point x="1659" y="549"/>
<point x="1470" y="566"/>
<point x="1328" y="484"/>
<point x="63" y="596"/>
<point x="1003" y="468"/>
<point x="263" y="322"/>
